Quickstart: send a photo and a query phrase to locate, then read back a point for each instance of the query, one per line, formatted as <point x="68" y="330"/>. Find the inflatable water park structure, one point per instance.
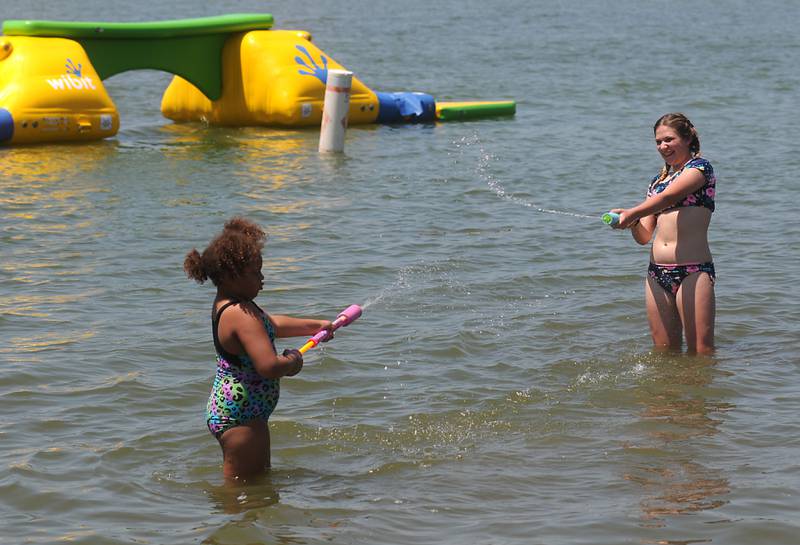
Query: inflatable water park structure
<point x="231" y="70"/>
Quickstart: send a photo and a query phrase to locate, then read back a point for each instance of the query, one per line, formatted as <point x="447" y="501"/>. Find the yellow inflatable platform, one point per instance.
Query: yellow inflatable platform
<point x="46" y="97"/>
<point x="229" y="70"/>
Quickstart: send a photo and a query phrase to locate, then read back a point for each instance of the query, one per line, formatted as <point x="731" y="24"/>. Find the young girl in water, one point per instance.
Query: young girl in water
<point x="679" y="289"/>
<point x="246" y="387"/>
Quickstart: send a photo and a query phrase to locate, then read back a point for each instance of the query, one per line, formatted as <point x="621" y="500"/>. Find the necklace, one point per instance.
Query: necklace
<point x="676" y="172"/>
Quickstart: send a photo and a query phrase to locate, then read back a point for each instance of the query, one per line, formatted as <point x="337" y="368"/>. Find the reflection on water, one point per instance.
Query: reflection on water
<point x="679" y="410"/>
<point x="255" y="513"/>
<point x="246" y="507"/>
<point x="47" y="190"/>
<point x="266" y="160"/>
<point x="48" y="223"/>
<point x="20" y="167"/>
<point x="232" y="498"/>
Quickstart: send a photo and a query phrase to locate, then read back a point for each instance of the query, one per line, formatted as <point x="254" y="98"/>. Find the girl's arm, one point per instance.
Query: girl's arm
<point x="643" y="229"/>
<point x="688" y="181"/>
<point x="287" y="326"/>
<point x="248" y="329"/>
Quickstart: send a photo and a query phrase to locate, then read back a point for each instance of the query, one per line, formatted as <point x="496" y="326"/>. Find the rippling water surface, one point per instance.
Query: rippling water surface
<point x="500" y="386"/>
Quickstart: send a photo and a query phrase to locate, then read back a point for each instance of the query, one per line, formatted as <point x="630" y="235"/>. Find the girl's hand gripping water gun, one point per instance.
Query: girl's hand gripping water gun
<point x="610" y="218"/>
<point x="346" y="317"/>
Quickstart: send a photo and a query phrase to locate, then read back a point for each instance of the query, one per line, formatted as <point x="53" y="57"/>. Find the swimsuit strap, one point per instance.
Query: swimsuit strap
<point x="233" y="358"/>
<point x="268" y="324"/>
<point x="230" y="358"/>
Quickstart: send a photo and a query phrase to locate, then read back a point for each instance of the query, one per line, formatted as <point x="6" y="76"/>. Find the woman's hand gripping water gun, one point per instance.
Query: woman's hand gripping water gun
<point x="346" y="317"/>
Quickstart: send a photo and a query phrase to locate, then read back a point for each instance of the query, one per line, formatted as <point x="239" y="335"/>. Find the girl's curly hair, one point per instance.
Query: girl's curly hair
<point x="237" y="246"/>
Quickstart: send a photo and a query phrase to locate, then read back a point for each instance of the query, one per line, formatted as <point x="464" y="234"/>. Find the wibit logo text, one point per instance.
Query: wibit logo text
<point x="71" y="82"/>
<point x="73" y="79"/>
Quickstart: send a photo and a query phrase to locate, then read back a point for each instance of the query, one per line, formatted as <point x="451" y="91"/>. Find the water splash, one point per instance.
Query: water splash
<point x="372" y="300"/>
<point x="400" y="283"/>
<point x="484" y="172"/>
<point x="414" y="276"/>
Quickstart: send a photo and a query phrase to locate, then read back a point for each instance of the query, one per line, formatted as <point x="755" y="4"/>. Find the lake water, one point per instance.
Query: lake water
<point x="500" y="387"/>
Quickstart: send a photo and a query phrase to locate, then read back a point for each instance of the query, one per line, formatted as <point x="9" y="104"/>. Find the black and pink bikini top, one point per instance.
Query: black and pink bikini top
<point x="702" y="197"/>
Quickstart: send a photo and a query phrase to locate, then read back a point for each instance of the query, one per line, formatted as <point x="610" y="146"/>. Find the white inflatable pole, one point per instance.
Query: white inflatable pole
<point x="335" y="110"/>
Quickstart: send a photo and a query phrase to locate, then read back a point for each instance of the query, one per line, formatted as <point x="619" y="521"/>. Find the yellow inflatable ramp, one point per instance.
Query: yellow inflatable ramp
<point x="269" y="78"/>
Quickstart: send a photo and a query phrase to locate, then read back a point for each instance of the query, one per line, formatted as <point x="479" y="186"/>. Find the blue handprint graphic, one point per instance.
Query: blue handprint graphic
<point x="74" y="70"/>
<point x="321" y="73"/>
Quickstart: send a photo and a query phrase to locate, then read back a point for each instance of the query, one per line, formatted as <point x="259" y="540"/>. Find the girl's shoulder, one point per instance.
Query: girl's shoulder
<point x="237" y="307"/>
<point x="700" y="163"/>
<point x="261" y="312"/>
<point x="261" y="315"/>
<point x="703" y="165"/>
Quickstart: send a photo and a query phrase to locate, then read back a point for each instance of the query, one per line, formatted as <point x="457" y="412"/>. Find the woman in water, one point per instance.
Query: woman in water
<point x="679" y="289"/>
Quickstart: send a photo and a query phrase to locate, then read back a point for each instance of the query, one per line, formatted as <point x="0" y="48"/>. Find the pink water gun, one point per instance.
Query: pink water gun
<point x="346" y="317"/>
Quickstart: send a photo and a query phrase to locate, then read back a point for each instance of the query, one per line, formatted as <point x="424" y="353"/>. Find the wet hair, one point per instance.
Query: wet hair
<point x="229" y="253"/>
<point x="681" y="125"/>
